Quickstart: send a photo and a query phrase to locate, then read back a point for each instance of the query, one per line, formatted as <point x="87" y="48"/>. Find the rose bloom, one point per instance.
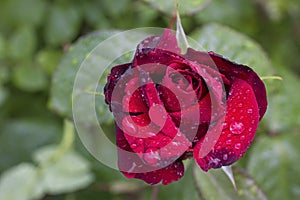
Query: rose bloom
<point x="170" y="106"/>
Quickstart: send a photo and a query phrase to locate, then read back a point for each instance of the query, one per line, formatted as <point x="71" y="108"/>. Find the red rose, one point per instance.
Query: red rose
<point x="168" y="107"/>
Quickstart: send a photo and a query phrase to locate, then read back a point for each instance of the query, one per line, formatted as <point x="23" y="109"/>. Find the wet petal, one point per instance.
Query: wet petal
<point x="239" y="128"/>
<point x="173" y="173"/>
<point x="233" y="70"/>
<point x="112" y="79"/>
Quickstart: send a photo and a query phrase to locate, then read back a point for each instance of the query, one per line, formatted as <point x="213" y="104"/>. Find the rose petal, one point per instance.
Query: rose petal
<point x="172" y="173"/>
<point x="233" y="70"/>
<point x="112" y="79"/>
<point x="239" y="128"/>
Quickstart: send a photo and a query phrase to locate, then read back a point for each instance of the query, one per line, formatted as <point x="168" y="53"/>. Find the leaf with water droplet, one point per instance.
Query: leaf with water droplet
<point x="215" y="184"/>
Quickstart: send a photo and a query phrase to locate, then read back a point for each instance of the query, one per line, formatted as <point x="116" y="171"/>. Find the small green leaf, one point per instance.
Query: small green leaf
<point x="215" y="184"/>
<point x="25" y="12"/>
<point x="65" y="174"/>
<point x="62" y="24"/>
<point x="20" y="182"/>
<point x="29" y="78"/>
<point x="274" y="163"/>
<point x="234" y="46"/>
<point x="186" y="7"/>
<point x="48" y="60"/>
<point x="22" y="43"/>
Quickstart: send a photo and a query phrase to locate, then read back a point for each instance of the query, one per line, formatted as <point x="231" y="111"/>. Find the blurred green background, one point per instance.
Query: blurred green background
<point x="40" y="51"/>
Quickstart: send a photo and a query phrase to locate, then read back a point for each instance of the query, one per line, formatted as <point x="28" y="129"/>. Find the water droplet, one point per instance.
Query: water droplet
<point x="133" y="145"/>
<point x="229" y="135"/>
<point x="242" y="137"/>
<point x="139" y="141"/>
<point x="236" y="127"/>
<point x="248" y="91"/>
<point x="240" y="105"/>
<point x="225" y="157"/>
<point x="228" y="142"/>
<point x="237" y="146"/>
<point x="249" y="111"/>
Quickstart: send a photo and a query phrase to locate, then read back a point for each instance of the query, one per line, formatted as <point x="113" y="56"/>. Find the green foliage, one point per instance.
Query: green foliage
<point x="63" y="79"/>
<point x="42" y="45"/>
<point x="58" y="169"/>
<point x="241" y="49"/>
<point x="183" y="189"/>
<point x="216" y="185"/>
<point x="186" y="7"/>
<point x="274" y="163"/>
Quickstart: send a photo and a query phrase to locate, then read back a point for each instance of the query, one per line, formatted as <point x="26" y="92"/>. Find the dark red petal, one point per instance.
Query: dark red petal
<point x="151" y="178"/>
<point x="167" y="41"/>
<point x="112" y="79"/>
<point x="241" y="121"/>
<point x="233" y="70"/>
<point x="169" y="99"/>
<point x="203" y="109"/>
<point x="173" y="172"/>
<point x="135" y="103"/>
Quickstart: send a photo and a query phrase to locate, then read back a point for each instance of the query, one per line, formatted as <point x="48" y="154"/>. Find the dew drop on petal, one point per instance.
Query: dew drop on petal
<point x="228" y="142"/>
<point x="242" y="137"/>
<point x="225" y="157"/>
<point x="249" y="111"/>
<point x="237" y="127"/>
<point x="133" y="145"/>
<point x="237" y="146"/>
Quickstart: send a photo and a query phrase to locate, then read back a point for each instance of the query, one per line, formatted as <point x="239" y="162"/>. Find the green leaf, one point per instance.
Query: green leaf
<point x="62" y="24"/>
<point x="182" y="189"/>
<point x="32" y="133"/>
<point x="283" y="112"/>
<point x="65" y="174"/>
<point x="215" y="184"/>
<point x="63" y="79"/>
<point x="25" y="12"/>
<point x="234" y="46"/>
<point x="3" y="94"/>
<point x="48" y="60"/>
<point x="22" y="43"/>
<point x="29" y="78"/>
<point x="2" y="48"/>
<point x="274" y="163"/>
<point x="186" y="7"/>
<point x="20" y="182"/>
